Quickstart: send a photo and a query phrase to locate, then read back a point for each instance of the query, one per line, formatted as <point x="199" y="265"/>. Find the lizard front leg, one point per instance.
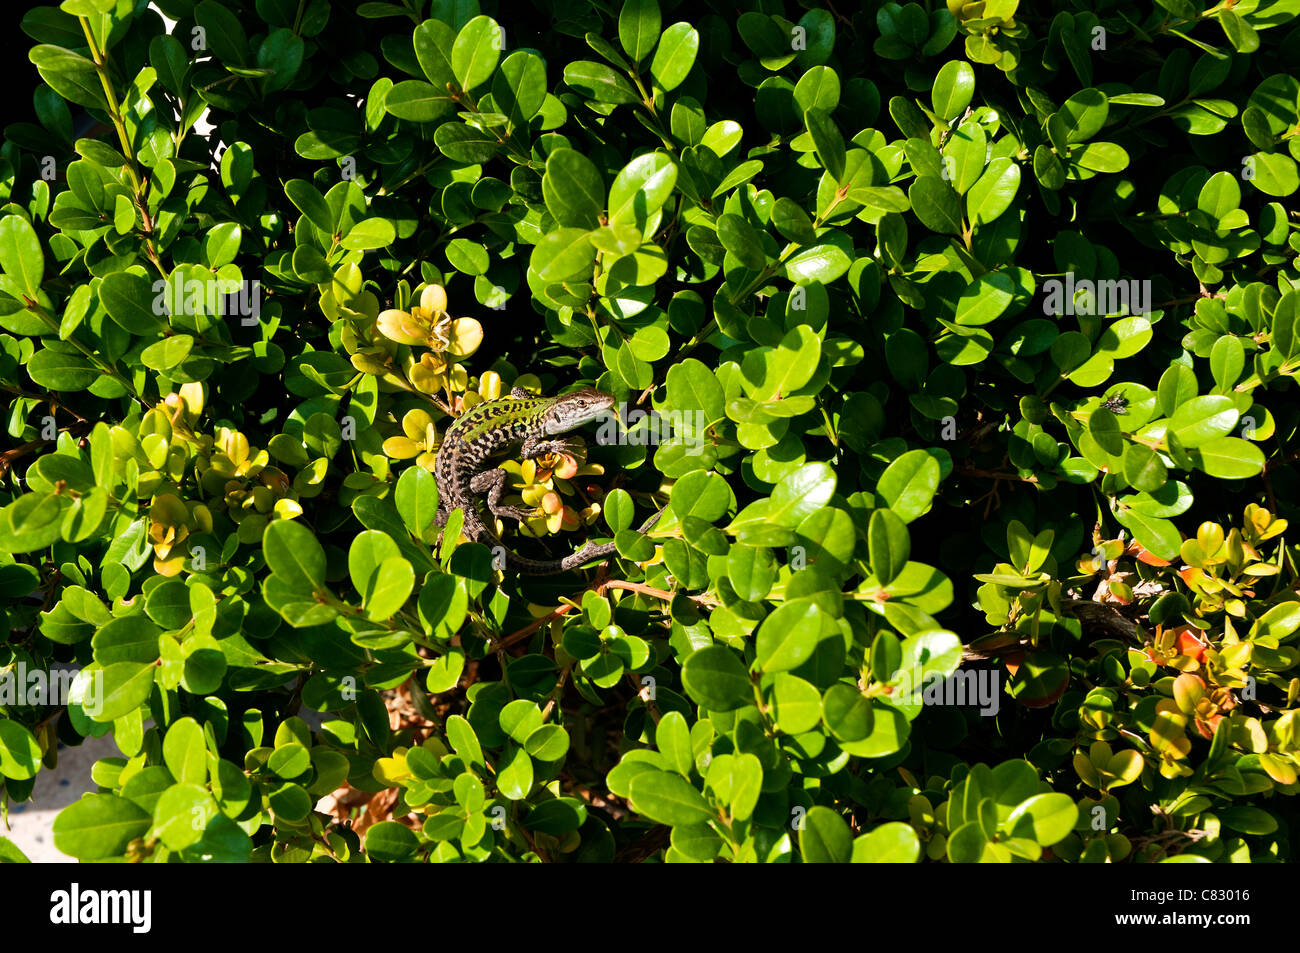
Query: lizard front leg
<point x="536" y="447"/>
<point x="493" y="484"/>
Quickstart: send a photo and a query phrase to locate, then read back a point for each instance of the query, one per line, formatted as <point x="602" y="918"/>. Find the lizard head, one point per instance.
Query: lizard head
<point x="575" y="409"/>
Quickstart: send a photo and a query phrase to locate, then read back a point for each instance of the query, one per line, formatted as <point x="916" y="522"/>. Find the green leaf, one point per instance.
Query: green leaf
<point x="800" y="493"/>
<point x="847" y="712"/>
<point x="741" y="239"/>
<point x="675" y="56"/>
<point x="125" y="687"/>
<point x="379" y="573"/>
<point x="573" y="189"/>
<point x="1100" y="157"/>
<point x="769" y="42"/>
<point x="294" y="555"/>
<point x="789" y="636"/>
<point x="129" y="639"/>
<point x="994" y="191"/>
<point x="714" y="677"/>
<point x="389" y="588"/>
<point x="819" y="88"/>
<point x="416" y="498"/>
<point x="1202" y="419"/>
<point x="433" y="41"/>
<point x="475" y="52"/>
<point x="182" y="815"/>
<point x="936" y="204"/>
<point x="968" y="844"/>
<point x="99" y="826"/>
<point x="952" y="90"/>
<point x="909" y="483"/>
<point x="599" y="82"/>
<point x="889" y="545"/>
<point x="1249" y="820"/>
<point x="20" y="753"/>
<point x="547" y="743"/>
<point x="185" y="752"/>
<point x="416" y="101"/>
<point x="668" y="799"/>
<point x="641" y="188"/>
<point x="1229" y="458"/>
<point x="467" y="144"/>
<point x="310" y="202"/>
<point x="736" y="781"/>
<point x="464" y="741"/>
<point x="515" y="774"/>
<point x="792" y="221"/>
<point x="926" y="656"/>
<point x="890" y="843"/>
<point x="10" y="854"/>
<point x="618" y="510"/>
<point x="673" y="739"/>
<point x="1158" y="535"/>
<point x="638" y="27"/>
<point x="369" y="233"/>
<point x="752" y="570"/>
<point x="964" y="156"/>
<point x="985" y="299"/>
<point x="825" y="838"/>
<point x="21" y="257"/>
<point x="1084" y="114"/>
<point x="282" y="53"/>
<point x="168" y="353"/>
<point x="821" y="263"/>
<point x="1274" y="173"/>
<point x="390" y="842"/>
<point x="795" y="704"/>
<point x="1143" y="468"/>
<point x="129" y="299"/>
<point x="827" y="141"/>
<point x="565" y="254"/>
<point x="70" y="75"/>
<point x="519" y="86"/>
<point x="1045" y="819"/>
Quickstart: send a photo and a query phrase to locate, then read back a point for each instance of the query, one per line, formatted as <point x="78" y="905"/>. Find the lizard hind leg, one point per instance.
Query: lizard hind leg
<point x="440" y="521"/>
<point x="493" y="484"/>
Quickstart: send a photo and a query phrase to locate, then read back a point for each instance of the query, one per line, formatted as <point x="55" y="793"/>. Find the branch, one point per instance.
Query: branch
<point x="1104" y="617"/>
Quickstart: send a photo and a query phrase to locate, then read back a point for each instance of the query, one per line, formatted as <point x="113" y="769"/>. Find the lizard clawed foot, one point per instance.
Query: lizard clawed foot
<point x="492" y="483"/>
<point x="520" y="513"/>
<point x="568" y="446"/>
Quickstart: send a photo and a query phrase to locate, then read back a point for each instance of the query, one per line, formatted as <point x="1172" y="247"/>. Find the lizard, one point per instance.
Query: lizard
<point x="533" y="424"/>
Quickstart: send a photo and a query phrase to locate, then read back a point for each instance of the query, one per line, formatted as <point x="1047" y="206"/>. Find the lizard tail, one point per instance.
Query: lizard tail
<point x="588" y="553"/>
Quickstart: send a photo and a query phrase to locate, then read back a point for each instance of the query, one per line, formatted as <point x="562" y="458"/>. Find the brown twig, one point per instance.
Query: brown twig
<point x="9" y="457"/>
<point x="532" y="627"/>
<point x="995" y="475"/>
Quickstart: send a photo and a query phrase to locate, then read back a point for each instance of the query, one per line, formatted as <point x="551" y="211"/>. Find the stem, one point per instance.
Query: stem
<point x="103" y="366"/>
<point x="138" y="184"/>
<point x="830" y="429"/>
<point x="557" y="692"/>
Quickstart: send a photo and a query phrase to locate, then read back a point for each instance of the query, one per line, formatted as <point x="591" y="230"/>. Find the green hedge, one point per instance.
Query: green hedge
<point x="956" y="341"/>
